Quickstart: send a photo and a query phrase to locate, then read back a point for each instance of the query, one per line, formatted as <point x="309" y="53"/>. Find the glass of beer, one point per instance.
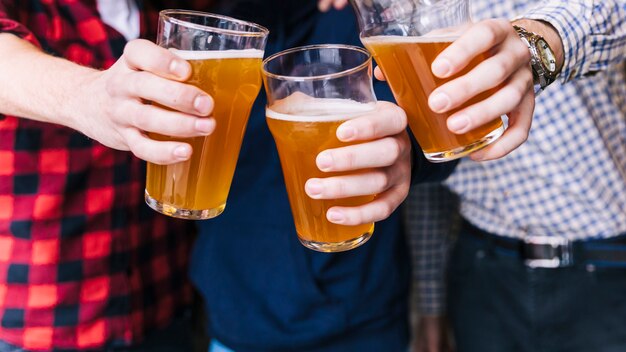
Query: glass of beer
<point x="405" y="37"/>
<point x="225" y="55"/>
<point x="311" y="91"/>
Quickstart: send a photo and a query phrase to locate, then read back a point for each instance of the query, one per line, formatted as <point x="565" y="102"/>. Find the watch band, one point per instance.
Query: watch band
<point x="542" y="75"/>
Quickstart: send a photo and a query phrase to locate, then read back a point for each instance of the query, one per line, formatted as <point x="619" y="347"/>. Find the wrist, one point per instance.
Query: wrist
<point x="549" y="34"/>
<point x="83" y="104"/>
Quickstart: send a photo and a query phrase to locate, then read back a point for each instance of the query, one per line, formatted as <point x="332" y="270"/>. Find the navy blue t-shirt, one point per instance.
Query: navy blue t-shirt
<point x="263" y="290"/>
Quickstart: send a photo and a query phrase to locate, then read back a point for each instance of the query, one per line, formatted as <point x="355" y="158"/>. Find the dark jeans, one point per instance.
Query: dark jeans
<point x="178" y="337"/>
<point x="496" y="304"/>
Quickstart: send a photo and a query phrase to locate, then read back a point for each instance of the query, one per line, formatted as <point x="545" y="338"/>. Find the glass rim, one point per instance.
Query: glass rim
<point x="367" y="62"/>
<point x="169" y="15"/>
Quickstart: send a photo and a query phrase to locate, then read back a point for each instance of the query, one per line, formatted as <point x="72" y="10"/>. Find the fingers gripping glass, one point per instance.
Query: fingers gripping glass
<point x="405" y="37"/>
<point x="311" y="91"/>
<point x="225" y="55"/>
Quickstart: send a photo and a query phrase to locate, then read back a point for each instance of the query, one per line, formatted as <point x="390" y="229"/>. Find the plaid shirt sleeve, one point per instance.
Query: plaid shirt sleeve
<point x="432" y="218"/>
<point x="593" y="33"/>
<point x="84" y="263"/>
<point x="9" y="24"/>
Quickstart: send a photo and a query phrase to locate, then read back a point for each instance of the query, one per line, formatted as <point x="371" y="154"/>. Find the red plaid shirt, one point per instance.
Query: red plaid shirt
<point x="83" y="262"/>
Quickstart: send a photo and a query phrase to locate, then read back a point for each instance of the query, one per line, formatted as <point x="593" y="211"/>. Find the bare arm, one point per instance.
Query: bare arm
<point x="109" y="106"/>
<point x="37" y="85"/>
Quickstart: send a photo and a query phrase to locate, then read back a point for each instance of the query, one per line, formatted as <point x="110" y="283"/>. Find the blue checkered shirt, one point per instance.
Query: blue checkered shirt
<point x="569" y="178"/>
<point x="432" y="222"/>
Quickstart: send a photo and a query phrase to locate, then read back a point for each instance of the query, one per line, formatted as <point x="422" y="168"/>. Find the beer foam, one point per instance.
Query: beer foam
<point x="318" y="110"/>
<point x="218" y="54"/>
<point x="396" y="39"/>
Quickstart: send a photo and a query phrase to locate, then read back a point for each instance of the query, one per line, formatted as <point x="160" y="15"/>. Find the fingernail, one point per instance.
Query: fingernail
<point x="439" y="102"/>
<point x="202" y="104"/>
<point x="336" y="217"/>
<point x="314" y="188"/>
<point x="324" y="161"/>
<point x="441" y="67"/>
<point x="205" y="125"/>
<point x="179" y="68"/>
<point x="183" y="152"/>
<point x="346" y="133"/>
<point x="458" y="123"/>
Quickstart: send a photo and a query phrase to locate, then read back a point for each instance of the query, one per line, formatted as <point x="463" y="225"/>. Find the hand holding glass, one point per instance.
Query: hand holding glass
<point x="405" y="37"/>
<point x="311" y="92"/>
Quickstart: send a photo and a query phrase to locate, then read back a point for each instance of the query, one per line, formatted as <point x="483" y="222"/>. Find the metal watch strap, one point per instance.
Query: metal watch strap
<point x="541" y="77"/>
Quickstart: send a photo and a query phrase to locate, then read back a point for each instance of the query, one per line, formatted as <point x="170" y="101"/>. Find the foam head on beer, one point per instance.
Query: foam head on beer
<point x="191" y="55"/>
<point x="300" y="107"/>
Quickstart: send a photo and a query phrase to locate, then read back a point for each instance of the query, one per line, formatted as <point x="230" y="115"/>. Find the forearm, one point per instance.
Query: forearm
<point x="113" y="107"/>
<point x="38" y="86"/>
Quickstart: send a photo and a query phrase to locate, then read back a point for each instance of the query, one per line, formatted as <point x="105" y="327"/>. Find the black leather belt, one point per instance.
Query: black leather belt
<point x="557" y="252"/>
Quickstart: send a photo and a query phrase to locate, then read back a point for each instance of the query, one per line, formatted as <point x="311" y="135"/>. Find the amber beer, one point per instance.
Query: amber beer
<point x="406" y="62"/>
<point x="198" y="188"/>
<point x="301" y="131"/>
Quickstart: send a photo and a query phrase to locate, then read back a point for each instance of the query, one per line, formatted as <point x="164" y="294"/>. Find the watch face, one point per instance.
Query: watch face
<point x="546" y="55"/>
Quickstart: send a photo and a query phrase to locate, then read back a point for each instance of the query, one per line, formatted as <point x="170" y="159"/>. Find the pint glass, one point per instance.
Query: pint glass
<point x="405" y="37"/>
<point x="225" y="55"/>
<point x="311" y="91"/>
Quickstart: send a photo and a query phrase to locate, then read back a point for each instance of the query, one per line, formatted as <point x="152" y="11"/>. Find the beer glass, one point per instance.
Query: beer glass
<point x="405" y="36"/>
<point x="311" y="91"/>
<point x="225" y="55"/>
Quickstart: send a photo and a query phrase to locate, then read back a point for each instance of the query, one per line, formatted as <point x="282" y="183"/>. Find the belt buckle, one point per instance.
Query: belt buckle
<point x="547" y="252"/>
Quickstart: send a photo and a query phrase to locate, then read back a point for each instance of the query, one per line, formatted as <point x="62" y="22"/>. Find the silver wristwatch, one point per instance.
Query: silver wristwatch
<point x="542" y="61"/>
